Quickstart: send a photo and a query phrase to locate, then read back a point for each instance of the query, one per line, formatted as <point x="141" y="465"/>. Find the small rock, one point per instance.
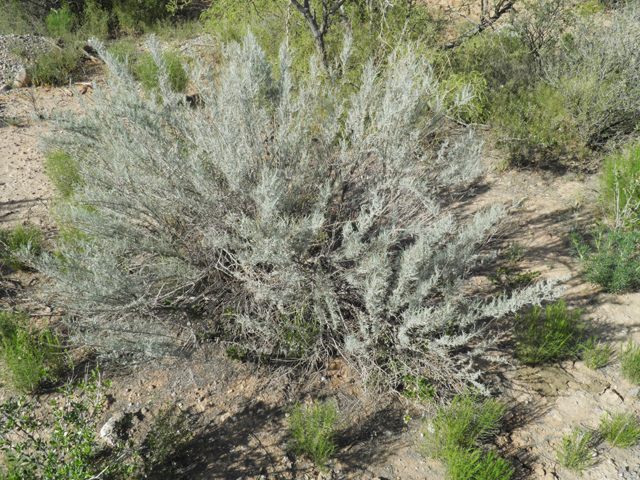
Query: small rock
<point x="108" y="432"/>
<point x="22" y="79"/>
<point x="633" y="392"/>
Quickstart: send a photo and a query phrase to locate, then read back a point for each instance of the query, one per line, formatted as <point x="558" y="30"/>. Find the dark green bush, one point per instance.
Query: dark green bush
<point x="551" y="337"/>
<point x="60" y="22"/>
<point x="610" y="259"/>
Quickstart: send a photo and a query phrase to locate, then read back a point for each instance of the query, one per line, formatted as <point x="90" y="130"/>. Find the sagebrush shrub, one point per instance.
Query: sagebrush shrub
<point x="279" y="200"/>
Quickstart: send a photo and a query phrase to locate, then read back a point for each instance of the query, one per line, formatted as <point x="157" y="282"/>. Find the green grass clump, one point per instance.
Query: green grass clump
<point x="620" y="429"/>
<point x="611" y="259"/>
<point x="473" y="464"/>
<point x="62" y="170"/>
<point x="630" y="362"/>
<point x="30" y="358"/>
<point x="314" y="429"/>
<point x="594" y="355"/>
<point x="468" y="420"/>
<point x="11" y="241"/>
<point x="146" y="71"/>
<point x="457" y="432"/>
<point x="576" y="451"/>
<point x="548" y="338"/>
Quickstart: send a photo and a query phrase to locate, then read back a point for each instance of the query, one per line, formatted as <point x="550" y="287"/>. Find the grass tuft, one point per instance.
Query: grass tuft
<point x="12" y="241"/>
<point x="630" y="362"/>
<point x="468" y="420"/>
<point x="620" y="429"/>
<point x="594" y="355"/>
<point x="473" y="464"/>
<point x="30" y="358"/>
<point x="576" y="451"/>
<point x="314" y="429"/>
<point x="549" y="338"/>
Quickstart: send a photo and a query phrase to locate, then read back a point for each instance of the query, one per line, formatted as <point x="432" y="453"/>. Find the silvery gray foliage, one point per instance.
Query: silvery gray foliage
<point x="597" y="69"/>
<point x="305" y="222"/>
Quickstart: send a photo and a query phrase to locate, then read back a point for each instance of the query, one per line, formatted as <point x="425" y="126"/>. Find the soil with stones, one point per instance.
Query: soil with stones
<point x="239" y="417"/>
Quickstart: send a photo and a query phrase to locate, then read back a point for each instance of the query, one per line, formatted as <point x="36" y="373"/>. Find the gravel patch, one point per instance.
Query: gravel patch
<point x="27" y="45"/>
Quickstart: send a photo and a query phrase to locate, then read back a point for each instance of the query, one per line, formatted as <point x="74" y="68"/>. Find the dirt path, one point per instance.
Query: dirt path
<point x="240" y="420"/>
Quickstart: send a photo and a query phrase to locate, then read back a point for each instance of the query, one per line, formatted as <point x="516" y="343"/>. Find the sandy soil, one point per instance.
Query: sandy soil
<point x="239" y="418"/>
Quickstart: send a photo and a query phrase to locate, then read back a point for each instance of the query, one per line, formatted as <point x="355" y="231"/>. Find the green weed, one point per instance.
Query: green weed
<point x="63" y="444"/>
<point x="576" y="450"/>
<point x="12" y="241"/>
<point x="314" y="429"/>
<point x="595" y="356"/>
<point x="418" y="388"/>
<point x="630" y="362"/>
<point x="30" y="358"/>
<point x="620" y="429"/>
<point x="549" y="338"/>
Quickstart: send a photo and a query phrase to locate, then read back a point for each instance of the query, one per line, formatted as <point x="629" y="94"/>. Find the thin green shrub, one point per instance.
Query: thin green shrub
<point x="610" y="259"/>
<point x="620" y="180"/>
<point x="594" y="355"/>
<point x="629" y="356"/>
<point x="473" y="464"/>
<point x="57" y="66"/>
<point x="19" y="238"/>
<point x="62" y="170"/>
<point x="272" y="194"/>
<point x="551" y="337"/>
<point x="30" y="358"/>
<point x="60" y="22"/>
<point x="314" y="429"/>
<point x="620" y="429"/>
<point x="576" y="451"/>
